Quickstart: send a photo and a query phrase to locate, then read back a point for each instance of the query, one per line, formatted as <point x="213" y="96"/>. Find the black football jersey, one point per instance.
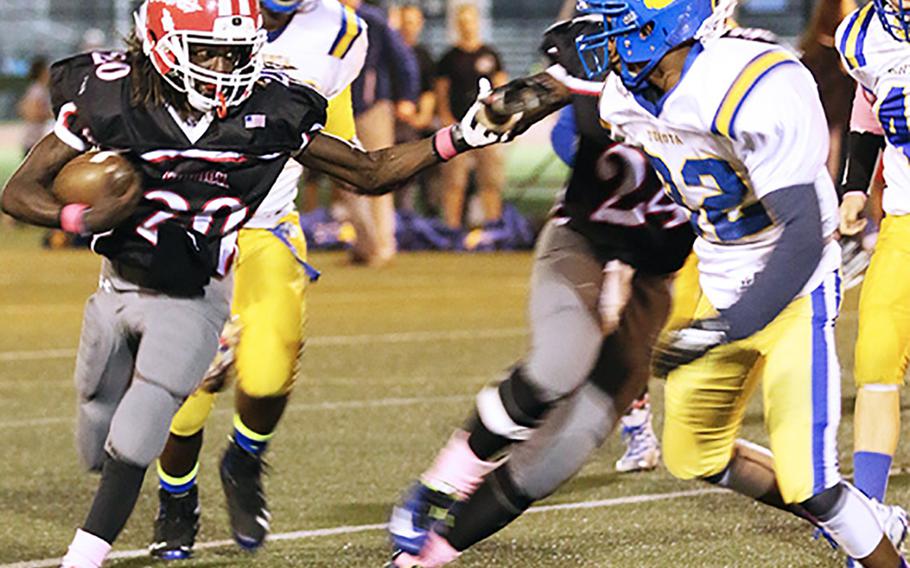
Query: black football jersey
<point x="642" y="228"/>
<point x="209" y="177"/>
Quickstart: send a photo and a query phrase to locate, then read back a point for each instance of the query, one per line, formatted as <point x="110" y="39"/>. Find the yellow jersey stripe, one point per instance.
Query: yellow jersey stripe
<point x="736" y="95"/>
<point x="854" y="37"/>
<point x="351" y="29"/>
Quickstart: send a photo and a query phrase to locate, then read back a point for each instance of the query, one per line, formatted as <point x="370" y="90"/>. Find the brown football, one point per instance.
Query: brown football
<point x="93" y="175"/>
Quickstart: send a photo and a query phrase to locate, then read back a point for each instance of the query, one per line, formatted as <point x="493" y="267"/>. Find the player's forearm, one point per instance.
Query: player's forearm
<point x="373" y="173"/>
<point x="27" y="195"/>
<point x="792" y="262"/>
<point x="863" y="149"/>
<point x="534" y="97"/>
<point x="30" y="202"/>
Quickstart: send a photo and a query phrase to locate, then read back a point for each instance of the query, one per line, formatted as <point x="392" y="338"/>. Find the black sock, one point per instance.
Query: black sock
<point x="495" y="504"/>
<point x="115" y="499"/>
<point x="483" y="443"/>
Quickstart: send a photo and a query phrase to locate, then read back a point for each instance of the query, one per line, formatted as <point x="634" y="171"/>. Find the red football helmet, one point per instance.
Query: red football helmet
<point x="168" y="29"/>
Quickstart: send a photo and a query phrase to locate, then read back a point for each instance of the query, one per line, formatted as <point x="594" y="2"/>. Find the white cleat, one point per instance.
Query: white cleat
<point x="642" y="446"/>
<point x="894" y="522"/>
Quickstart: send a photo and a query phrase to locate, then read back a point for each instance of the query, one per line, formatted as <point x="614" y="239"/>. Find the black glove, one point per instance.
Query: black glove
<point x="559" y="42"/>
<point x="682" y="346"/>
<point x="528" y="98"/>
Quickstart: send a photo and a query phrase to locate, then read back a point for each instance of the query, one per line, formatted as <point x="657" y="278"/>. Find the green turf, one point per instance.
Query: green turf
<point x="366" y="419"/>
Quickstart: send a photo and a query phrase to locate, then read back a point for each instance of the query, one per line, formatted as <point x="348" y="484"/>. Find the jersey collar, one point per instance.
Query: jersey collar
<point x="655" y="107"/>
<point x="193" y="131"/>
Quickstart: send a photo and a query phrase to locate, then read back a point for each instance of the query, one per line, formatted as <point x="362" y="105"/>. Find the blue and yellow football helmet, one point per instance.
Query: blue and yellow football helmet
<point x="643" y="32"/>
<point x="895" y="18"/>
<point x="280" y="6"/>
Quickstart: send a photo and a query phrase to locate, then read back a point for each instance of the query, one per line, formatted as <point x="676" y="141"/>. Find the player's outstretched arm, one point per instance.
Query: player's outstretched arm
<point x="371" y="173"/>
<point x="28" y="197"/>
<point x="382" y="171"/>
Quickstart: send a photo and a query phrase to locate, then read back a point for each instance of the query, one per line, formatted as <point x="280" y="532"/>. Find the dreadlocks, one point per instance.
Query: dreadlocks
<point x="149" y="89"/>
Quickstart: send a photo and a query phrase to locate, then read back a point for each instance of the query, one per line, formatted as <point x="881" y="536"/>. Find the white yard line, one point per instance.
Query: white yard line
<point x="352" y="529"/>
<point x="319" y="341"/>
<point x="329" y="405"/>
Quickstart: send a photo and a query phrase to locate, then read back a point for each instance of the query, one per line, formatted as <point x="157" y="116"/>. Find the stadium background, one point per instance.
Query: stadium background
<point x="394" y="360"/>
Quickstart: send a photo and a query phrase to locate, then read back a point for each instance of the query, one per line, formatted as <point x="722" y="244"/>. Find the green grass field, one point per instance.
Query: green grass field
<point x="394" y="360"/>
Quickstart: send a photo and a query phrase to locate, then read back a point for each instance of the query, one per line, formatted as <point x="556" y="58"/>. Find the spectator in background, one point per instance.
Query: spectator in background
<point x="834" y="85"/>
<point x="456" y="89"/>
<point x="389" y="74"/>
<point x="420" y="124"/>
<point x="35" y="106"/>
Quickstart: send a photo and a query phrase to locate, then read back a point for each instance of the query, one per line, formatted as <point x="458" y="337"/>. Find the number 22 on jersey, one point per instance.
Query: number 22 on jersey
<point x="724" y="214"/>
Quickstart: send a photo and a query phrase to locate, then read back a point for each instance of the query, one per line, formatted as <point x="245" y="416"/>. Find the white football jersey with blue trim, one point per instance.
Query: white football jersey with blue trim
<point x="881" y="65"/>
<point x="744" y="120"/>
<point x="324" y="46"/>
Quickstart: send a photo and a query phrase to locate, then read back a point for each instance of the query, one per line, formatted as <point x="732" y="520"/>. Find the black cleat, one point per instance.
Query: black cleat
<point x="176" y="525"/>
<point x="241" y="479"/>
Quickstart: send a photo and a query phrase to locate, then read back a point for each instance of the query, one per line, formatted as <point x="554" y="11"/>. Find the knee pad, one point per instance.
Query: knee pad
<point x="92" y="427"/>
<point x="140" y="425"/>
<point x="193" y="414"/>
<point x="512" y="408"/>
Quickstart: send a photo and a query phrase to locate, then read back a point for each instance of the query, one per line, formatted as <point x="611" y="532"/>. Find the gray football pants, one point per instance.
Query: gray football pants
<point x="141" y="354"/>
<point x="591" y="378"/>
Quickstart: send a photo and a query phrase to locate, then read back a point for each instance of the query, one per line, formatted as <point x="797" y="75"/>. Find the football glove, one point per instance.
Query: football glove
<point x="478" y="128"/>
<point x="559" y="42"/>
<point x="519" y="104"/>
<point x="221" y="371"/>
<point x="855" y="261"/>
<point x="682" y="346"/>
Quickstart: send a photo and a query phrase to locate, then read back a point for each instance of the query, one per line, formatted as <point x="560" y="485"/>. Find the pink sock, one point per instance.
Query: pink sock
<point x="457" y="468"/>
<point x="86" y="551"/>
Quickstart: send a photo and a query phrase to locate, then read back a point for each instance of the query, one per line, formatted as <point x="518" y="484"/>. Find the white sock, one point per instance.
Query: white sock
<point x="86" y="551"/>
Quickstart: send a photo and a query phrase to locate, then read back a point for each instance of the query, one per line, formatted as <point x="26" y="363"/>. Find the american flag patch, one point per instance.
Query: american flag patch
<point x="254" y="121"/>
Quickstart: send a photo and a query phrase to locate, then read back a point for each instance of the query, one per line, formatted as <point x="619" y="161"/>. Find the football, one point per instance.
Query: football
<point x="93" y="175"/>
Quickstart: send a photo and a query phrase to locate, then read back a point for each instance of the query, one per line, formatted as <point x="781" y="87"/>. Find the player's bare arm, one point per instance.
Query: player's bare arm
<point x="371" y="173"/>
<point x="28" y="196"/>
<point x="381" y="171"/>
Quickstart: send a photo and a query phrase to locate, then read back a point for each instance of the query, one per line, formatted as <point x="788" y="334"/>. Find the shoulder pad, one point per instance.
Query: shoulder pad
<point x="95" y="71"/>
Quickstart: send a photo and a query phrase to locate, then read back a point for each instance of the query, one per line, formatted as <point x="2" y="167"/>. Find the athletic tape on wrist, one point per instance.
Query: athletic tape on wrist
<point x="444" y="145"/>
<point x="72" y="218"/>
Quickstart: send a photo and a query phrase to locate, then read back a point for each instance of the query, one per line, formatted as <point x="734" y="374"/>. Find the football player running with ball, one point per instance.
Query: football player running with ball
<point x="209" y="129"/>
<point x="322" y="44"/>
<point x="736" y="131"/>
<point x="874" y="43"/>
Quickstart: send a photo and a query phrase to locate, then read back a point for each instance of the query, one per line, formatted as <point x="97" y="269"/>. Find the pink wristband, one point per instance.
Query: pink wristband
<point x="444" y="145"/>
<point x="72" y="218"/>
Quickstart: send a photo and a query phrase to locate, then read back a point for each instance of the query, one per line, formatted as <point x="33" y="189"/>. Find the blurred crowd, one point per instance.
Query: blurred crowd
<point x="403" y="94"/>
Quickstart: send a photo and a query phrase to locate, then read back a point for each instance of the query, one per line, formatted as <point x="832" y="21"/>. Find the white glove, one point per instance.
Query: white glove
<point x="476" y="129"/>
